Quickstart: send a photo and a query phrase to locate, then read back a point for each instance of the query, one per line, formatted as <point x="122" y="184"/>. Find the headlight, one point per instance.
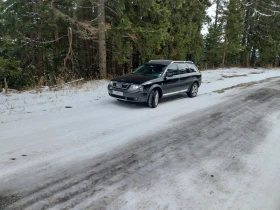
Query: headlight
<point x="136" y="87"/>
<point x="111" y="83"/>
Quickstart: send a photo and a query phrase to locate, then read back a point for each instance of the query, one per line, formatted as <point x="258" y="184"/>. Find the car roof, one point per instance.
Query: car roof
<point x="167" y="62"/>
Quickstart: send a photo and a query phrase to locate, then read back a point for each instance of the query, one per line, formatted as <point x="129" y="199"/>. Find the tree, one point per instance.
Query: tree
<point x="234" y="17"/>
<point x="186" y="18"/>
<point x="214" y="38"/>
<point x="214" y="47"/>
<point x="102" y="38"/>
<point x="9" y="71"/>
<point x="59" y="40"/>
<point x="257" y="27"/>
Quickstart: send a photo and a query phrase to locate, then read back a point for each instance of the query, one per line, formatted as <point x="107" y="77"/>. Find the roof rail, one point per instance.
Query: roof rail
<point x="169" y="61"/>
<point x="182" y="61"/>
<point x="160" y="60"/>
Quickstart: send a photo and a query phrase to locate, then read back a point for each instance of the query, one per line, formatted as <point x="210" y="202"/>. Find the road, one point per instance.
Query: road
<point x="224" y="156"/>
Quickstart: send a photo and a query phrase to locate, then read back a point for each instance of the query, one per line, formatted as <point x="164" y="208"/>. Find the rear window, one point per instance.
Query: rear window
<point x="183" y="68"/>
<point x="192" y="67"/>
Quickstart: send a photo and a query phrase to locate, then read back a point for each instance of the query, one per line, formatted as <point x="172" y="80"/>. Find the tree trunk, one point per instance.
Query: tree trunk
<point x="224" y="57"/>
<point x="6" y="85"/>
<point x="253" y="57"/>
<point x="102" y="39"/>
<point x="217" y="12"/>
<point x="224" y="52"/>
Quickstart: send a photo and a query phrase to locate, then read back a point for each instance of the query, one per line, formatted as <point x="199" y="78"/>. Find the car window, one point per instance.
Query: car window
<point x="150" y="69"/>
<point x="173" y="68"/>
<point x="183" y="68"/>
<point x="192" y="68"/>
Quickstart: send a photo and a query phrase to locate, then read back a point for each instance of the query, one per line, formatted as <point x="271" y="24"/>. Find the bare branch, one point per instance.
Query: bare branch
<point x="91" y="29"/>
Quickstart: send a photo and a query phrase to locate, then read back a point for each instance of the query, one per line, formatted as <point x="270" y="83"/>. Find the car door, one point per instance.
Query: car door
<point x="186" y="77"/>
<point x="171" y="83"/>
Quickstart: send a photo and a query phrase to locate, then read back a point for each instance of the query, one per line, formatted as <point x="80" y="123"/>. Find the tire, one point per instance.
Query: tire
<point x="193" y="91"/>
<point x="153" y="99"/>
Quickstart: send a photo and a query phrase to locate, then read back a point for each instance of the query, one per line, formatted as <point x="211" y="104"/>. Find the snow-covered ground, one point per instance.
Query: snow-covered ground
<point x="39" y="125"/>
<point x="38" y="133"/>
<point x="15" y="107"/>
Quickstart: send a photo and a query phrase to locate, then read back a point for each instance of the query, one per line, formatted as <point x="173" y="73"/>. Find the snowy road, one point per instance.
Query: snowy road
<point x="217" y="151"/>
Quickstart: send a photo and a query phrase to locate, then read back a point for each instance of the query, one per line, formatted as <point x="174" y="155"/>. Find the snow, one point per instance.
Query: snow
<point x="15" y="107"/>
<point x="264" y="191"/>
<point x="38" y="124"/>
<point x="256" y="189"/>
<point x="46" y="130"/>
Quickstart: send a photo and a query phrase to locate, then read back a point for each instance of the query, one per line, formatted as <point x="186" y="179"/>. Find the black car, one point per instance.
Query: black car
<point x="156" y="79"/>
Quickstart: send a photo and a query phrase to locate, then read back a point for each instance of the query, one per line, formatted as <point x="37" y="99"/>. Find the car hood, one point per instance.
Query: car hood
<point x="134" y="78"/>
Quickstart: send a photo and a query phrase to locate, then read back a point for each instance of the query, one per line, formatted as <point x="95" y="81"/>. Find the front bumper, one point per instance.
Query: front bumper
<point x="138" y="96"/>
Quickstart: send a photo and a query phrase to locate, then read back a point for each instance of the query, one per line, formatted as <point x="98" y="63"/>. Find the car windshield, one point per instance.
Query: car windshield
<point x="155" y="70"/>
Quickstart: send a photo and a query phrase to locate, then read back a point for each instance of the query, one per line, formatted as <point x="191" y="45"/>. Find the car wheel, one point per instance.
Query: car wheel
<point x="193" y="91"/>
<point x="153" y="99"/>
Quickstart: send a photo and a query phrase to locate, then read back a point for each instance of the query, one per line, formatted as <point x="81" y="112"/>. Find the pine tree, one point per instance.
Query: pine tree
<point x="214" y="47"/>
<point x="186" y="41"/>
<point x="257" y="28"/>
<point x="233" y="32"/>
<point x="214" y="39"/>
<point x="102" y="38"/>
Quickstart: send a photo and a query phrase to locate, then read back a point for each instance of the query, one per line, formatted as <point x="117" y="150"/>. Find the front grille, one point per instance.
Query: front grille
<point x="131" y="99"/>
<point x="121" y="85"/>
<point x="120" y="97"/>
<point x="124" y="98"/>
<point x="125" y="85"/>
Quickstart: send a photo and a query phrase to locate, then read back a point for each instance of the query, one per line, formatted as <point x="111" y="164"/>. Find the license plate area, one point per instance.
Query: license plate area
<point x="118" y="93"/>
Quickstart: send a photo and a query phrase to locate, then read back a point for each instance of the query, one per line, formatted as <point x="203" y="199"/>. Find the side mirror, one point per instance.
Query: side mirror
<point x="169" y="74"/>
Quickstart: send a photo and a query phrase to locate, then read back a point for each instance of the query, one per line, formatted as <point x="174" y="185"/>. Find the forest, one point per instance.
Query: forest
<point x="47" y="42"/>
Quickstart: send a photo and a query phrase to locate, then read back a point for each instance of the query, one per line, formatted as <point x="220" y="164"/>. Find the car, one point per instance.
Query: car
<point x="157" y="79"/>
